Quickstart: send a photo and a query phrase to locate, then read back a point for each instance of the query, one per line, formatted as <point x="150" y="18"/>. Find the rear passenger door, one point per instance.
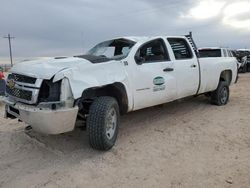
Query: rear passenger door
<point x="186" y="67"/>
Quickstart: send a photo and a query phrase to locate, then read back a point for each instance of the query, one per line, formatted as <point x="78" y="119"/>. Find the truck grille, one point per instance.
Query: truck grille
<point x="23" y="88"/>
<point x="21" y="94"/>
<point x="22" y="78"/>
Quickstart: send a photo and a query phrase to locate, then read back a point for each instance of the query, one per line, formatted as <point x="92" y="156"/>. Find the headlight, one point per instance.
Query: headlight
<point x="49" y="91"/>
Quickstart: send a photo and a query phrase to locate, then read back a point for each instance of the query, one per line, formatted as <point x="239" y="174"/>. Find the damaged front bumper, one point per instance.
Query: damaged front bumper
<point x="43" y="120"/>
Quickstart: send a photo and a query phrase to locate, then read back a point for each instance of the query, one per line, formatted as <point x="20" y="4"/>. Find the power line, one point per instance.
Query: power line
<point x="9" y="39"/>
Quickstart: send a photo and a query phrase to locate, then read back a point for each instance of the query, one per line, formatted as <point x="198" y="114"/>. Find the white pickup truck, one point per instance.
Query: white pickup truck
<point x="115" y="77"/>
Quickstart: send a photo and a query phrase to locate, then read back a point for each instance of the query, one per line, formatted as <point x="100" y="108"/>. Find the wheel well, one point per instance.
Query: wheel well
<point x="226" y="75"/>
<point x="116" y="90"/>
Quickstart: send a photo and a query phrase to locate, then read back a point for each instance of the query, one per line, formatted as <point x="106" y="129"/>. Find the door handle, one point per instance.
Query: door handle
<point x="168" y="69"/>
<point x="193" y="66"/>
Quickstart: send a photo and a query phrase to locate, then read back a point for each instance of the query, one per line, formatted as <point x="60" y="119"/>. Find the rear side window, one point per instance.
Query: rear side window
<point x="180" y="48"/>
<point x="210" y="53"/>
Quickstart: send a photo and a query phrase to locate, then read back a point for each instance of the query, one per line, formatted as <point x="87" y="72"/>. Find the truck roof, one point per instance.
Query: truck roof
<point x="143" y="38"/>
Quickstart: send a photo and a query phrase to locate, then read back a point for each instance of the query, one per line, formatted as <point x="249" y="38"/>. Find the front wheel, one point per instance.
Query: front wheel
<point x="221" y="95"/>
<point x="103" y="123"/>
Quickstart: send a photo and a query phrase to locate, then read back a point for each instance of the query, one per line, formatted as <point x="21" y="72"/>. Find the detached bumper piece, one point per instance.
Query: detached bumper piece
<point x="45" y="121"/>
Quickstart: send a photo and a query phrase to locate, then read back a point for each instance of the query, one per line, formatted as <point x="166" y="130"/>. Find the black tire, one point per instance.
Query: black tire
<point x="99" y="123"/>
<point x="220" y="96"/>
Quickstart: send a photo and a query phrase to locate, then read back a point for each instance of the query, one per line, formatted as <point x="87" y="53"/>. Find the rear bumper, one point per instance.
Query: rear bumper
<point x="45" y="121"/>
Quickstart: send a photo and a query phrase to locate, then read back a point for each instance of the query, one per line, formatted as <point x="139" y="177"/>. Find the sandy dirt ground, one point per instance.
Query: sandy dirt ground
<point x="188" y="143"/>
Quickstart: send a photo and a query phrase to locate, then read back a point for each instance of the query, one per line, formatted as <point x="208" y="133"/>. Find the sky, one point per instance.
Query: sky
<point x="45" y="28"/>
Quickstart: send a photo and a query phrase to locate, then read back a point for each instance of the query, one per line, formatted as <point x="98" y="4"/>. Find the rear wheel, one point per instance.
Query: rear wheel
<point x="103" y="123"/>
<point x="221" y="95"/>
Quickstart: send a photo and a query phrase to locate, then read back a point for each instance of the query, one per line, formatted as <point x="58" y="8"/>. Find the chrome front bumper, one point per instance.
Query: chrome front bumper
<point x="45" y="121"/>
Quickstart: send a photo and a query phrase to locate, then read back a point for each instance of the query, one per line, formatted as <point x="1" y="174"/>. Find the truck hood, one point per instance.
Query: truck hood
<point x="81" y="73"/>
<point x="47" y="68"/>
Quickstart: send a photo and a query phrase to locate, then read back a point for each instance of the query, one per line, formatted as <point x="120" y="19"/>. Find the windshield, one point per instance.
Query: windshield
<point x="210" y="53"/>
<point x="114" y="49"/>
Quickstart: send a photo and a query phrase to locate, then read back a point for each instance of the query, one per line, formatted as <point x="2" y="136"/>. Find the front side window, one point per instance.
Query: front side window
<point x="153" y="51"/>
<point x="180" y="48"/>
<point x="114" y="49"/>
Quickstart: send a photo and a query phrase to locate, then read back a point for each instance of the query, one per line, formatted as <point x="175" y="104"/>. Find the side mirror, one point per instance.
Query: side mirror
<point x="139" y="60"/>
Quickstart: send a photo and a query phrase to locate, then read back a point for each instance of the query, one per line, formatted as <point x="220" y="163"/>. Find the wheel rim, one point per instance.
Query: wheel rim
<point x="224" y="95"/>
<point x="111" y="123"/>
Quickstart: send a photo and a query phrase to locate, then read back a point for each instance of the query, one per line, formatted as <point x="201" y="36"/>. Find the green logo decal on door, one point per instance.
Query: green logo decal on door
<point x="158" y="81"/>
<point x="159" y="84"/>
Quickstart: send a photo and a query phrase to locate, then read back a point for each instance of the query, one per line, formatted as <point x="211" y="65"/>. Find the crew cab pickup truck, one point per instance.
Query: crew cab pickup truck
<point x="113" y="78"/>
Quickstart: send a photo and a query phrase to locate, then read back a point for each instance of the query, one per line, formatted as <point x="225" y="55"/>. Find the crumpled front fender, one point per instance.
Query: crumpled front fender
<point x="95" y="76"/>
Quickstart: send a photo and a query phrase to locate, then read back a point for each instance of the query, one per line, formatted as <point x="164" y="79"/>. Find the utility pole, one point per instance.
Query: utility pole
<point x="9" y="38"/>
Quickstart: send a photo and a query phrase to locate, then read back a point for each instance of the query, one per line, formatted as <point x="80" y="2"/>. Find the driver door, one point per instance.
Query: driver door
<point x="153" y="78"/>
